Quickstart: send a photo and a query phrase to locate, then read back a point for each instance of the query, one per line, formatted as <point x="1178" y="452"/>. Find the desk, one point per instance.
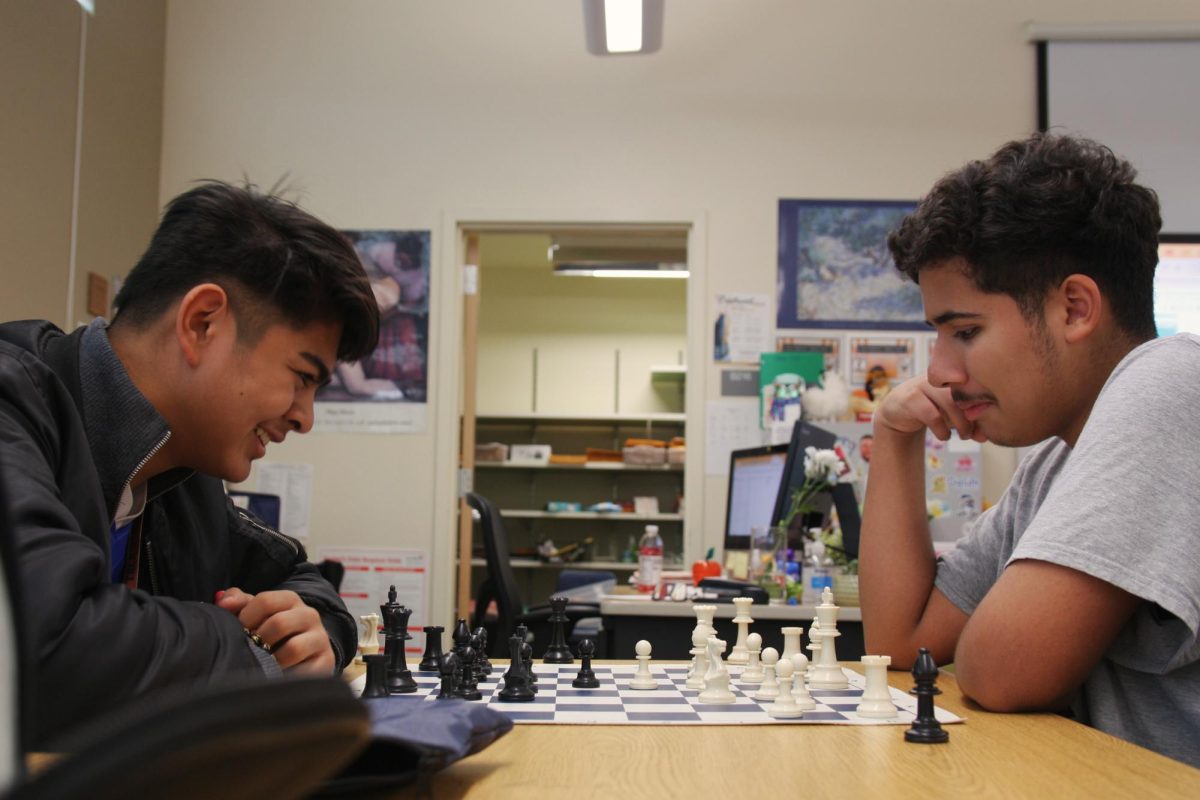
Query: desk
<point x="1010" y="755"/>
<point x="668" y="626"/>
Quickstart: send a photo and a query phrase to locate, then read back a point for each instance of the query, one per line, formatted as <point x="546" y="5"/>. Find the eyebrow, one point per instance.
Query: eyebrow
<point x="951" y="316"/>
<point x="322" y="370"/>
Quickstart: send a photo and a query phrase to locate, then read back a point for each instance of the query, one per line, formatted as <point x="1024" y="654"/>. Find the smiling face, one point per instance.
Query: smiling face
<point x="1005" y="372"/>
<point x="256" y="394"/>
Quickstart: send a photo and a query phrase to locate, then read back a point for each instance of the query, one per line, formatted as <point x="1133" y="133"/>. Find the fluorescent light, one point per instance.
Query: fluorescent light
<point x="88" y="5"/>
<point x="623" y="25"/>
<point x="622" y="270"/>
<point x="639" y="273"/>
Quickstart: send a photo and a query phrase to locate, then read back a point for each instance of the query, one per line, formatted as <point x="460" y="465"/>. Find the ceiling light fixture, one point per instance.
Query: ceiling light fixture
<point x="623" y="270"/>
<point x="622" y="27"/>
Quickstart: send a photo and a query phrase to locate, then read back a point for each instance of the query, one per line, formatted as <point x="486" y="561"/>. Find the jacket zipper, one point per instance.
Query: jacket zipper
<point x="146" y="540"/>
<point x="271" y="532"/>
<point x="150" y="567"/>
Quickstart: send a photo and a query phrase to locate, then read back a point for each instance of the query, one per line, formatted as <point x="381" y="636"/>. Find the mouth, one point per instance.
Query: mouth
<point x="264" y="438"/>
<point x="974" y="409"/>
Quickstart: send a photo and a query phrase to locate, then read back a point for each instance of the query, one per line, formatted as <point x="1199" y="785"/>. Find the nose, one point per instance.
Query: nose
<point x="300" y="415"/>
<point x="945" y="367"/>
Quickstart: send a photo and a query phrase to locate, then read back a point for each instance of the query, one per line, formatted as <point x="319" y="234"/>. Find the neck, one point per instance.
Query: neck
<point x="148" y="370"/>
<point x="1098" y="365"/>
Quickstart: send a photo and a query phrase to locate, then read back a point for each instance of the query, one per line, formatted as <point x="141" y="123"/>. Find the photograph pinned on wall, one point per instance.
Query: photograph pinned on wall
<point x="830" y="348"/>
<point x="835" y="270"/>
<point x="876" y="365"/>
<point x="397" y="262"/>
<point x="782" y="379"/>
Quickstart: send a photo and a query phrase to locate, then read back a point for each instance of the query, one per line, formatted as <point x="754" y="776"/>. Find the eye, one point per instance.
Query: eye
<point x="966" y="334"/>
<point x="306" y="379"/>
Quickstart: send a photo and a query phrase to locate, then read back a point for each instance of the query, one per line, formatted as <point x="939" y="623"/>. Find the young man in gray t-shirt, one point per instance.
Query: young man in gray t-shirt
<point x="1081" y="588"/>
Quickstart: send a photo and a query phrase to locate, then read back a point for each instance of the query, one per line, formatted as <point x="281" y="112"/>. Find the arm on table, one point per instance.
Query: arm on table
<point x="902" y="611"/>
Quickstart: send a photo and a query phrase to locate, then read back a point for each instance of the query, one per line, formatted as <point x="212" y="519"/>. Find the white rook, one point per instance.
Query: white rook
<point x="877" y="699"/>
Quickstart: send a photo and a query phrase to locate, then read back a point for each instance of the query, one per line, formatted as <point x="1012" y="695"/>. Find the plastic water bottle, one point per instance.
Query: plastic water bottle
<point x="818" y="570"/>
<point x="650" y="560"/>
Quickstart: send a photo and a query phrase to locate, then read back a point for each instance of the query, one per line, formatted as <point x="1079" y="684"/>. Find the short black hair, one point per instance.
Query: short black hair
<point x="1038" y="210"/>
<point x="274" y="260"/>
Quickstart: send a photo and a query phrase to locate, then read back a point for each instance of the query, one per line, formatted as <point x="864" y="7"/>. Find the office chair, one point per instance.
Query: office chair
<point x="501" y="586"/>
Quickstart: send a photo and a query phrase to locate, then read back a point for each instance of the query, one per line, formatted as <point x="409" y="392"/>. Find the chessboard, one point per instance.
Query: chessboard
<point x="614" y="703"/>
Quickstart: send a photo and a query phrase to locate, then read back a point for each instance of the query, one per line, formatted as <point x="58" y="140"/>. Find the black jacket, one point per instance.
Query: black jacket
<point x="73" y="430"/>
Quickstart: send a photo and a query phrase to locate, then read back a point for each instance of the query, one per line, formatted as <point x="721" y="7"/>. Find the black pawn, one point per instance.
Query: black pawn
<point x="448" y="667"/>
<point x="925" y="728"/>
<point x="395" y="634"/>
<point x="558" y="652"/>
<point x="516" y="680"/>
<point x="484" y="665"/>
<point x="586" y="679"/>
<point x="433" y="649"/>
<point x="376" y="683"/>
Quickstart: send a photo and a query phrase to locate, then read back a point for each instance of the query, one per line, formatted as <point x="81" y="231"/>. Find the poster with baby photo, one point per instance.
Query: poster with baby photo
<point x="385" y="392"/>
<point x="876" y="365"/>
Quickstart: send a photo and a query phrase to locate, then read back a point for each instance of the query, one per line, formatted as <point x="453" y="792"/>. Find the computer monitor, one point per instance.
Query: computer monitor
<point x="754" y="476"/>
<point x="841" y="496"/>
<point x="1177" y="284"/>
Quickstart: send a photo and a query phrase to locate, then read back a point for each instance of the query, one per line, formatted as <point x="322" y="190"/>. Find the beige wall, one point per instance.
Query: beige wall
<point x="414" y="114"/>
<point x="40" y="53"/>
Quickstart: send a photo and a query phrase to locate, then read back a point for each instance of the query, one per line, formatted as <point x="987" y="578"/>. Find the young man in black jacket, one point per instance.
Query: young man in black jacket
<point x="138" y="572"/>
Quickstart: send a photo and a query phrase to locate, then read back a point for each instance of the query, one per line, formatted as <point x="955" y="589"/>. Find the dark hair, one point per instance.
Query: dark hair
<point x="1038" y="210"/>
<point x="274" y="260"/>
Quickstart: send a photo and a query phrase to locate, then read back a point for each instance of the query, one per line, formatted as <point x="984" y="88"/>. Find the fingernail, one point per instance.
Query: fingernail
<point x="219" y="595"/>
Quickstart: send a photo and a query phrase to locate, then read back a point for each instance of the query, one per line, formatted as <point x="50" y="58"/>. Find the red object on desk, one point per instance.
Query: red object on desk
<point x="706" y="568"/>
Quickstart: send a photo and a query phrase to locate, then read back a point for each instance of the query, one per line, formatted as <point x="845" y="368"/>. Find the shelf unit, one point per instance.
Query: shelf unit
<point x="522" y="491"/>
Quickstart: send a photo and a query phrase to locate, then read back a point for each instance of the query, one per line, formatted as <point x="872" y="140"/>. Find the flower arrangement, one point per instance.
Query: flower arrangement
<point x="823" y="469"/>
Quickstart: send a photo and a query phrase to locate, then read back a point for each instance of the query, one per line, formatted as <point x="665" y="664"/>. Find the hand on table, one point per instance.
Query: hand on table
<point x="293" y="630"/>
<point x="917" y="405"/>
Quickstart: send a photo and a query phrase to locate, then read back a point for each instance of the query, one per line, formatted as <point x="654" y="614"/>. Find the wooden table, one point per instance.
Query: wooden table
<point x="991" y="755"/>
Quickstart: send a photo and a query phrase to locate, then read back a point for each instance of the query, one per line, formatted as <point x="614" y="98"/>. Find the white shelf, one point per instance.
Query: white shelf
<point x="595" y="466"/>
<point x="533" y="563"/>
<point x="662" y="416"/>
<point x="624" y="516"/>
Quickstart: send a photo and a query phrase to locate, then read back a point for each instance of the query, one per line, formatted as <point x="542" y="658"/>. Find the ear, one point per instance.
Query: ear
<point x="202" y="318"/>
<point x="1081" y="304"/>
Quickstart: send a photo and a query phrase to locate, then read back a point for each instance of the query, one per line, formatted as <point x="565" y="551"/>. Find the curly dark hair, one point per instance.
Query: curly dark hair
<point x="274" y="260"/>
<point x="1038" y="210"/>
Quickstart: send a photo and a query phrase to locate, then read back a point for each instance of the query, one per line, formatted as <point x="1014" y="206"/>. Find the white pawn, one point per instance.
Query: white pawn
<point x="753" y="673"/>
<point x="785" y="706"/>
<point x="799" y="689"/>
<point x="699" y="651"/>
<point x="642" y="679"/>
<point x="876" y="699"/>
<point x="770" y="685"/>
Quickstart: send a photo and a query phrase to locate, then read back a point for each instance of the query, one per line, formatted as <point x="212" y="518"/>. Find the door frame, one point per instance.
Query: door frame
<point x="450" y="343"/>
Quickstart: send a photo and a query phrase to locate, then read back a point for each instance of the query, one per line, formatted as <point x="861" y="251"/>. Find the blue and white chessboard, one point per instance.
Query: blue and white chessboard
<point x="614" y="703"/>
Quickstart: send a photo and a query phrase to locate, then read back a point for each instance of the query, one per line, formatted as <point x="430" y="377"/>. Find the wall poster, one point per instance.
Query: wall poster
<point x="385" y="392"/>
<point x="835" y="270"/>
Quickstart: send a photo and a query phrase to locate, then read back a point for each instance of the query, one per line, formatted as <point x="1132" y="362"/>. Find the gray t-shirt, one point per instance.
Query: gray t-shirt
<point x="1123" y="506"/>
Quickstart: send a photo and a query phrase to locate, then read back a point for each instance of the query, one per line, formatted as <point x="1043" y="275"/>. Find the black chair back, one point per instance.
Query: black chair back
<point x="501" y="582"/>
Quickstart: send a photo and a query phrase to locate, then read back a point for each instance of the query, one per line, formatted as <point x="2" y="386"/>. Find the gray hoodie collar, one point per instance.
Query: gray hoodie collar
<point x="124" y="428"/>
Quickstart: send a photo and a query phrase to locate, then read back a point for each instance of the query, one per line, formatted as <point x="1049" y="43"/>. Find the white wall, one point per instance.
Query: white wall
<point x="397" y="113"/>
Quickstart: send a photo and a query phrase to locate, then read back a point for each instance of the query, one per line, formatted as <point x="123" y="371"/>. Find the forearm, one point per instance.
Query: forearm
<point x="896" y="562"/>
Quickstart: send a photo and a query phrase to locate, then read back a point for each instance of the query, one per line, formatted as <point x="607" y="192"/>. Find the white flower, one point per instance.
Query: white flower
<point x="822" y="466"/>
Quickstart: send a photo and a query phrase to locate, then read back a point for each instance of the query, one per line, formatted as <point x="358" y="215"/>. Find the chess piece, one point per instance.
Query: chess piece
<point x="784" y="706"/>
<point x="876" y="699"/>
<point x="642" y="679"/>
<point x="827" y="674"/>
<point x="468" y="689"/>
<point x="376" y="682"/>
<point x="742" y="619"/>
<point x="433" y="649"/>
<point x="527" y="657"/>
<point x="770" y="685"/>
<point x="753" y="673"/>
<point x="925" y="728"/>
<point x="716" y="680"/>
<point x="395" y="634"/>
<point x="516" y="680"/>
<point x="484" y="665"/>
<point x="448" y="668"/>
<point x="814" y="644"/>
<point x="558" y="652"/>
<point x="368" y="635"/>
<point x="791" y="641"/>
<point x="586" y="679"/>
<point x="699" y="651"/>
<point x="804" y="700"/>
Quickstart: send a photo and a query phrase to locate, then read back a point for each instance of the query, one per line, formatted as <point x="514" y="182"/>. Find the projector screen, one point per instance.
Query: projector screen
<point x="1142" y="99"/>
